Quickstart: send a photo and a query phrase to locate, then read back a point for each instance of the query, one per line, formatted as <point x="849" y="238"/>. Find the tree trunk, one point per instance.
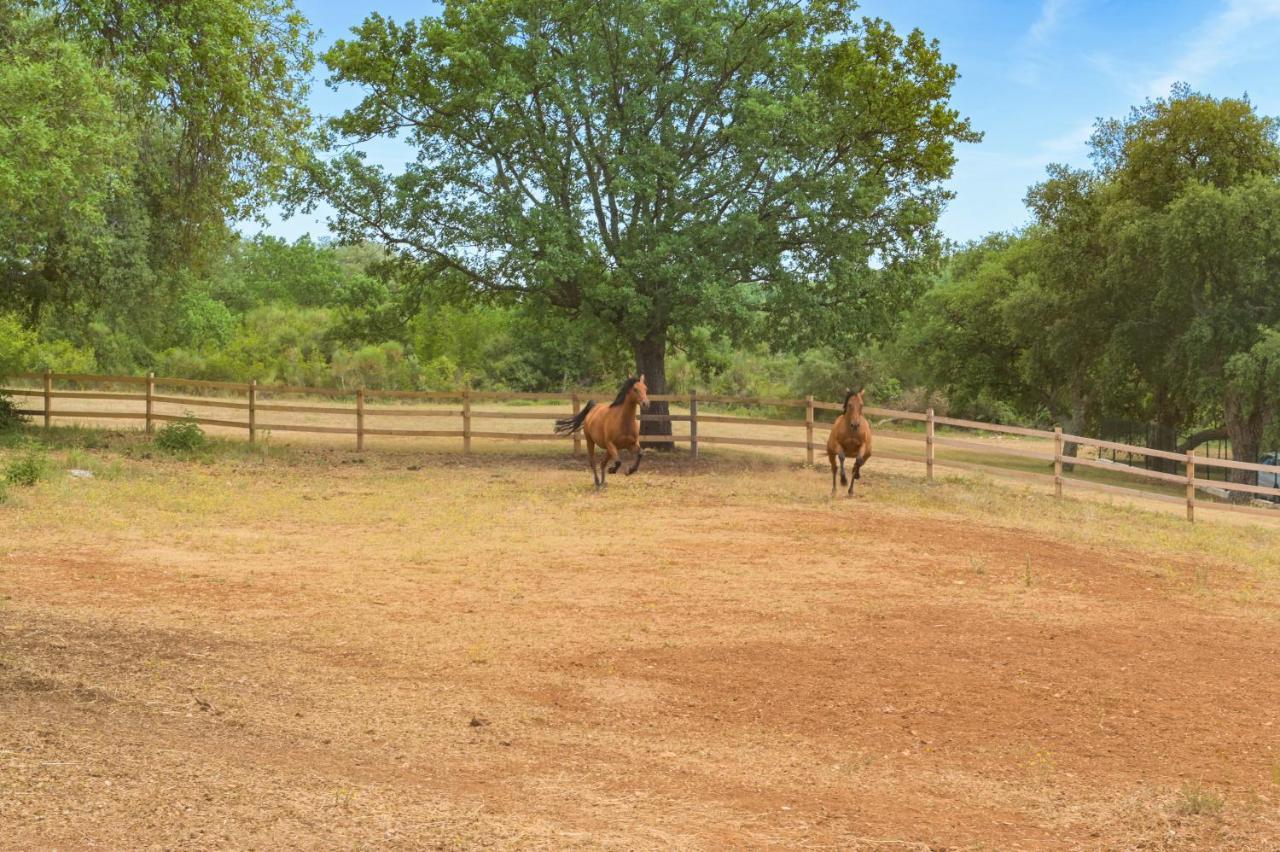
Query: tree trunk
<point x="1164" y="438"/>
<point x="651" y="362"/>
<point x="1073" y="425"/>
<point x="1246" y="420"/>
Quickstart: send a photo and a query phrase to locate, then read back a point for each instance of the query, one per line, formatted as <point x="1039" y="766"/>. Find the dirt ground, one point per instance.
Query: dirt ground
<point x="414" y="649"/>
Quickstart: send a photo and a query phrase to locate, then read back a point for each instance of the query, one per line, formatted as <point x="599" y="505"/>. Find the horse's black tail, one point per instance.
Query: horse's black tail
<point x="569" y="425"/>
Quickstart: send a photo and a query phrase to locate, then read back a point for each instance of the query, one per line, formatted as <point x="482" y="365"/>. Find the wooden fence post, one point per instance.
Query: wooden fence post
<point x="48" y="396"/>
<point x="577" y="435"/>
<point x="466" y="420"/>
<point x="928" y="445"/>
<point x="693" y="423"/>
<point x="253" y="411"/>
<point x="1057" y="461"/>
<point x="808" y="429"/>
<point x="151" y="392"/>
<point x="359" y="420"/>
<point x="1191" y="486"/>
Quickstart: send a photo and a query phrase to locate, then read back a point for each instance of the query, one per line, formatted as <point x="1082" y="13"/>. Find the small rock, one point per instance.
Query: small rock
<point x="478" y="722"/>
<point x="79" y="473"/>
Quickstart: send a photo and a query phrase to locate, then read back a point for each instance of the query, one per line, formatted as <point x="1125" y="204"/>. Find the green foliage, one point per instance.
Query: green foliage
<point x="222" y="84"/>
<point x="28" y="467"/>
<point x="377" y="365"/>
<point x="10" y="419"/>
<point x="1188" y="137"/>
<point x="705" y="198"/>
<point x="133" y="133"/>
<point x="1146" y="290"/>
<point x="180" y="436"/>
<point x="16" y="344"/>
<point x="23" y="350"/>
<point x="960" y="337"/>
<point x="268" y="269"/>
<point x="62" y="142"/>
<point x="204" y="321"/>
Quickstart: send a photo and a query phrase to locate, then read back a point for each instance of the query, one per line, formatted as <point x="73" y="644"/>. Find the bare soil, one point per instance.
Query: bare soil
<point x="341" y="651"/>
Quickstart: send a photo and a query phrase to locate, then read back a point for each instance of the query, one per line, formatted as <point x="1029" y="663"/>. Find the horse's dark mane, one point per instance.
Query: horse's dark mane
<point x="850" y="395"/>
<point x="623" y="391"/>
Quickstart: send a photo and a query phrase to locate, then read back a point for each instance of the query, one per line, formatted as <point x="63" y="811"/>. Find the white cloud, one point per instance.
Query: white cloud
<point x="1071" y="146"/>
<point x="1030" y="52"/>
<point x="1051" y="14"/>
<point x="1236" y="33"/>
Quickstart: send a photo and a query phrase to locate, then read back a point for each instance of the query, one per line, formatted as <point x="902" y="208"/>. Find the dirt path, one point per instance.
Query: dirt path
<point x="460" y="656"/>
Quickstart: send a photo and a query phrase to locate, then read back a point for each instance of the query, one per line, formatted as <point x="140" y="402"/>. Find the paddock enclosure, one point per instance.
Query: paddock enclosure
<point x="787" y="427"/>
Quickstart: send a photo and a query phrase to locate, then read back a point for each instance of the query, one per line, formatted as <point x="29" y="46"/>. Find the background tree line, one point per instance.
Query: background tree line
<point x="1146" y="288"/>
<point x="739" y="196"/>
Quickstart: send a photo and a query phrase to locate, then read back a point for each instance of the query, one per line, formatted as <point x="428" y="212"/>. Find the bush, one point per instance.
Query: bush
<point x="28" y="468"/>
<point x="9" y="416"/>
<point x="181" y="436"/>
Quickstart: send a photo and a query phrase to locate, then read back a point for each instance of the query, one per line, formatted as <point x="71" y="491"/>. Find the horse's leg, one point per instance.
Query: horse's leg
<point x="858" y="462"/>
<point x="611" y="455"/>
<point x="831" y="457"/>
<point x="617" y="464"/>
<point x="639" y="454"/>
<point x="843" y="481"/>
<point x="591" y="460"/>
<point x="863" y="455"/>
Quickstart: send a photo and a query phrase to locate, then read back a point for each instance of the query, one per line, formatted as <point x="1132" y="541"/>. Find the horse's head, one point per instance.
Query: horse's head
<point x="853" y="407"/>
<point x="640" y="391"/>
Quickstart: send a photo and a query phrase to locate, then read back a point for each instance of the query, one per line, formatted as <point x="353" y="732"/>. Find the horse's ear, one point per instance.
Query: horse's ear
<point x="642" y="378"/>
<point x="860" y="390"/>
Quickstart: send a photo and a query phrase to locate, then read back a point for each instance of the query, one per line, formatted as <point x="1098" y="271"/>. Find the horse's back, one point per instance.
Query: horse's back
<point x="603" y="426"/>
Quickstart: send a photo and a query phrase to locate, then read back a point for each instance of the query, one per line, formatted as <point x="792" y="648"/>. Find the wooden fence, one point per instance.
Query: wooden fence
<point x="266" y="408"/>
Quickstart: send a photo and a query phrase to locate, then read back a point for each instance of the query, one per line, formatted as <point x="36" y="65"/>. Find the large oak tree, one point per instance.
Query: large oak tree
<point x="749" y="166"/>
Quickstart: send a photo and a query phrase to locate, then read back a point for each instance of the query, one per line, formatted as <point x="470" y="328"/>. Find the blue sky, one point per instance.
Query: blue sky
<point x="1034" y="76"/>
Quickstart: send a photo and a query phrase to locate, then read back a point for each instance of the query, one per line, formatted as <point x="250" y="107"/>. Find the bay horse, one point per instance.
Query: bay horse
<point x="850" y="435"/>
<point x="612" y="428"/>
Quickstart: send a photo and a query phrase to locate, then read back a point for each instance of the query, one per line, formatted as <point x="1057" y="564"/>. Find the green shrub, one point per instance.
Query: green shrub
<point x="9" y="416"/>
<point x="181" y="436"/>
<point x="28" y="468"/>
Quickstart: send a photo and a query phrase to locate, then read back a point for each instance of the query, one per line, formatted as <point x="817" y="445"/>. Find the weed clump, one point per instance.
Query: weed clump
<point x="181" y="436"/>
<point x="1197" y="800"/>
<point x="28" y="467"/>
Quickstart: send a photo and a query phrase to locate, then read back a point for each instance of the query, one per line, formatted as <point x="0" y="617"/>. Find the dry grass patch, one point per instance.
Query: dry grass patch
<point x="415" y="649"/>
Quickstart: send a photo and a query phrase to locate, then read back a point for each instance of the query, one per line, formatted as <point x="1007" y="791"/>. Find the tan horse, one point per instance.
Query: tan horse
<point x="613" y="428"/>
<point x="850" y="435"/>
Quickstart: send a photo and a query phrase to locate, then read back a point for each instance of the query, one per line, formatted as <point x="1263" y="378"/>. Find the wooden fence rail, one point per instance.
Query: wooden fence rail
<point x="366" y="417"/>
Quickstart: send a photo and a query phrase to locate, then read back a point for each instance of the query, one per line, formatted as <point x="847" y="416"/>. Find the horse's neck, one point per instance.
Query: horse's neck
<point x="629" y="407"/>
